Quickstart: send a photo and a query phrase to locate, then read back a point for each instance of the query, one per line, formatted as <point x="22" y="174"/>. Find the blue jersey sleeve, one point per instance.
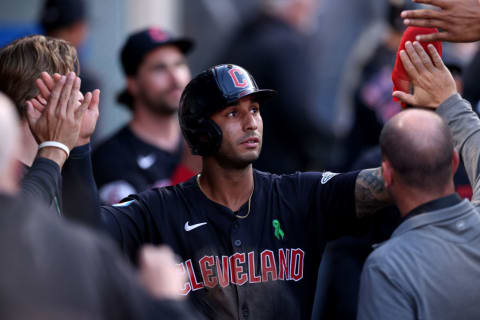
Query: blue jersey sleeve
<point x="331" y="202"/>
<point x="130" y="223"/>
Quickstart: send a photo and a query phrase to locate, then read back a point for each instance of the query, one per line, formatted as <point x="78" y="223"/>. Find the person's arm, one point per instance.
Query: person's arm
<point x="42" y="183"/>
<point x="381" y="296"/>
<point x="370" y="192"/>
<point x="434" y="87"/>
<point x="59" y="122"/>
<point x="459" y="20"/>
<point x="465" y="127"/>
<point x="80" y="194"/>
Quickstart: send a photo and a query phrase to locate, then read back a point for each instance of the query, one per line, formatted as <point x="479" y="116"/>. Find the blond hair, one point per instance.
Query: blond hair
<point x="22" y="61"/>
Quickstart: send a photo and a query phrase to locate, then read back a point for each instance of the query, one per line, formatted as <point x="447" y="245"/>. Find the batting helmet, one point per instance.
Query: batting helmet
<point x="207" y="93"/>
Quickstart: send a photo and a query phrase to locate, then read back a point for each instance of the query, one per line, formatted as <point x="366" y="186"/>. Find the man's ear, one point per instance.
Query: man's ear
<point x="455" y="161"/>
<point x="132" y="85"/>
<point x="387" y="172"/>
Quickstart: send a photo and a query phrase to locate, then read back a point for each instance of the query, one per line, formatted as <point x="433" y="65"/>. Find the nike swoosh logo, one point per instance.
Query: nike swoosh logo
<point x="193" y="226"/>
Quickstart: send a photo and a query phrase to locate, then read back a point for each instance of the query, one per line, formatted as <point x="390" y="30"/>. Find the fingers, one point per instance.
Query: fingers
<point x="42" y="87"/>
<point x="65" y="95"/>
<point x="38" y="105"/>
<point x="426" y="23"/>
<point x="95" y="100"/>
<point x="404" y="97"/>
<point x="420" y="14"/>
<point x="32" y="114"/>
<point x="408" y="65"/>
<point x="84" y="106"/>
<point x="73" y="103"/>
<point x="55" y="96"/>
<point x="437" y="60"/>
<point x="48" y="80"/>
<point x="424" y="57"/>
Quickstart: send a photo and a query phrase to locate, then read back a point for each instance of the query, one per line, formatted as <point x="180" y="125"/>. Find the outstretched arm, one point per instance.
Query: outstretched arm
<point x="370" y="192"/>
<point x="459" y="20"/>
<point x="435" y="87"/>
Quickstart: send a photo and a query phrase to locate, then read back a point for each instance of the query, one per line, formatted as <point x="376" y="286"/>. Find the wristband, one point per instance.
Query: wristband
<point x="55" y="144"/>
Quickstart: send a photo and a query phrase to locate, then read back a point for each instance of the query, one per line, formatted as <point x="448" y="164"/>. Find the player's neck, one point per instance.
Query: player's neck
<point x="229" y="187"/>
<point x="408" y="199"/>
<point x="161" y="131"/>
<point x="30" y="146"/>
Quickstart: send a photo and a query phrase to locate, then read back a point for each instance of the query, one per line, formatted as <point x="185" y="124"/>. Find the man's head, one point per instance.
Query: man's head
<point x="418" y="153"/>
<point x="22" y="62"/>
<point x="65" y="19"/>
<point x="154" y="63"/>
<point x="219" y="114"/>
<point x="10" y="147"/>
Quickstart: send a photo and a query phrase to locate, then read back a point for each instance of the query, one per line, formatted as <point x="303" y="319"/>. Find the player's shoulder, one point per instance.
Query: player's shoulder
<point x="166" y="195"/>
<point x="113" y="144"/>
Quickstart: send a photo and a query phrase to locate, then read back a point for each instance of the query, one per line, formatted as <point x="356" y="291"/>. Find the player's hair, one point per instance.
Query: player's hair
<point x="22" y="61"/>
<point x="423" y="159"/>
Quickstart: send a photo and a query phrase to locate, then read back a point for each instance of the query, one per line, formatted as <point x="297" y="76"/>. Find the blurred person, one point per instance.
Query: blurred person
<point x="425" y="269"/>
<point x="276" y="47"/>
<point x="459" y="20"/>
<point x="67" y="20"/>
<point x="55" y="270"/>
<point x="47" y="139"/>
<point x="149" y="151"/>
<point x="371" y="65"/>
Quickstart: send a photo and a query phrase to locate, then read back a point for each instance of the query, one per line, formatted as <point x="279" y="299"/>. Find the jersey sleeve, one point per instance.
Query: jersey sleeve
<point x="381" y="296"/>
<point x="130" y="223"/>
<point x="331" y="200"/>
<point x="465" y="127"/>
<point x="42" y="183"/>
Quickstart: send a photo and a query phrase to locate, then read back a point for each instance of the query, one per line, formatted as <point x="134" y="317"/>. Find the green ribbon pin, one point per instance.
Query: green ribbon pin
<point x="278" y="231"/>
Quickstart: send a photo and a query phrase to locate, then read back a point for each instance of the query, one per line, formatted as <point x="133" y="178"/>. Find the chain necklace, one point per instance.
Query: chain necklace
<point x="236" y="215"/>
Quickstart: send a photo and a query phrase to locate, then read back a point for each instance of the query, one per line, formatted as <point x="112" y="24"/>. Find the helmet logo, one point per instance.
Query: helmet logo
<point x="238" y="77"/>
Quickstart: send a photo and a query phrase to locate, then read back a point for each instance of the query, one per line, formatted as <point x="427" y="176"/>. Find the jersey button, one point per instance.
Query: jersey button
<point x="235" y="227"/>
<point x="245" y="312"/>
<point x="237" y="243"/>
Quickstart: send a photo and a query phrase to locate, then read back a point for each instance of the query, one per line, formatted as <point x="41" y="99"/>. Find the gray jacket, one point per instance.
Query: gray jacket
<point x="430" y="267"/>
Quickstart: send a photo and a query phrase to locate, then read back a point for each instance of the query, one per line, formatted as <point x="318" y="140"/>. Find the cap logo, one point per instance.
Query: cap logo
<point x="238" y="77"/>
<point x="157" y="35"/>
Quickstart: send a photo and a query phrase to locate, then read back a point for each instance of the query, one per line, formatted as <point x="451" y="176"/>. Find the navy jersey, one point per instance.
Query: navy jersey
<point x="125" y="164"/>
<point x="261" y="267"/>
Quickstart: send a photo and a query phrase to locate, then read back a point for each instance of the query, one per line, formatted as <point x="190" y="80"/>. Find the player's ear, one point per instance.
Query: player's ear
<point x="132" y="85"/>
<point x="387" y="172"/>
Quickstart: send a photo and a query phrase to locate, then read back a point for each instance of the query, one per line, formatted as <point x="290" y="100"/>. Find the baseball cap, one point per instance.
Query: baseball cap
<point x="57" y="14"/>
<point x="142" y="42"/>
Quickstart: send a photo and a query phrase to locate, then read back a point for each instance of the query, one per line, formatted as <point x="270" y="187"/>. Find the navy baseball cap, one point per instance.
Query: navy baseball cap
<point x="140" y="43"/>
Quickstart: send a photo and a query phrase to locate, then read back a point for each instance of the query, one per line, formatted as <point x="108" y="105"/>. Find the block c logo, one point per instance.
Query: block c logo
<point x="239" y="79"/>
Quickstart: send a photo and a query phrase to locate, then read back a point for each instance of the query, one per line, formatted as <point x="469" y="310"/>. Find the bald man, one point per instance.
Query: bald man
<point x="425" y="270"/>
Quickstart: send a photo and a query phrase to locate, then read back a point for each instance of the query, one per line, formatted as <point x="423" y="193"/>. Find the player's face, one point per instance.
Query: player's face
<point x="161" y="79"/>
<point x="242" y="129"/>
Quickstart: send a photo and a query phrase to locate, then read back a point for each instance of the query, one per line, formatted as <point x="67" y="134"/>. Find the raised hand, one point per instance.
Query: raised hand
<point x="459" y="20"/>
<point x="46" y="83"/>
<point x="159" y="272"/>
<point x="432" y="82"/>
<point x="61" y="118"/>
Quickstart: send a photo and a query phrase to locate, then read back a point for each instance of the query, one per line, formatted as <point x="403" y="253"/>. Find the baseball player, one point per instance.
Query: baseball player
<point x="250" y="241"/>
<point x="149" y="151"/>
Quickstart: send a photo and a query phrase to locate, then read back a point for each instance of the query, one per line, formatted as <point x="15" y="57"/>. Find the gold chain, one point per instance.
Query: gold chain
<point x="236" y="215"/>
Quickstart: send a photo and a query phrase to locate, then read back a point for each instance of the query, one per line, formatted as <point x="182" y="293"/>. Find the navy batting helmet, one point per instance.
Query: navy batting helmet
<point x="207" y="93"/>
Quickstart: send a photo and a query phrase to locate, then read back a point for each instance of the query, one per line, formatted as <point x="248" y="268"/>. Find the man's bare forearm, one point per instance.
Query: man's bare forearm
<point x="370" y="192"/>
